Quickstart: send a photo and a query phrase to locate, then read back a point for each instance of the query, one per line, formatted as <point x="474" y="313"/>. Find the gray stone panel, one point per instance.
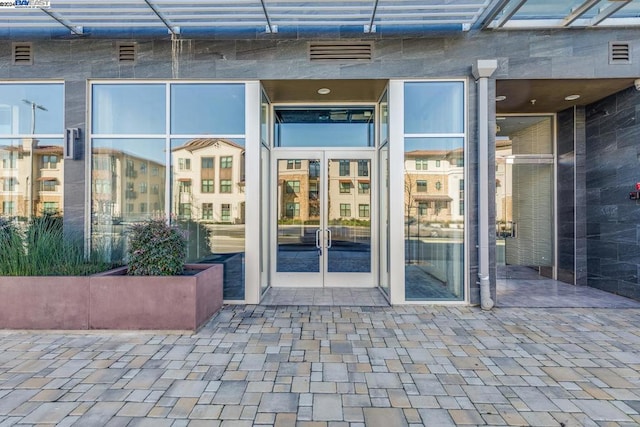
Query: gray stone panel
<point x="612" y="163"/>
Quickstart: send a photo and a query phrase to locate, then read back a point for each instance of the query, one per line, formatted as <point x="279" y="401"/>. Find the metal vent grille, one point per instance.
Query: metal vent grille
<point x="619" y="53"/>
<point x="127" y="52"/>
<point x="22" y="54"/>
<point x="340" y="51"/>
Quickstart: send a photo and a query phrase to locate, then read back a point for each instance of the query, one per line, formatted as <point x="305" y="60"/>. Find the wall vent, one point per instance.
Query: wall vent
<point x="341" y="51"/>
<point x="619" y="53"/>
<point x="127" y="52"/>
<point x="22" y="54"/>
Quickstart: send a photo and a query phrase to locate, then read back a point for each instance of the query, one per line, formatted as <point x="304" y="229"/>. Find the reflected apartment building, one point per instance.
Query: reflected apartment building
<point x="125" y="187"/>
<point x="32" y="178"/>
<point x="299" y="190"/>
<point x="434" y="187"/>
<point x="208" y="181"/>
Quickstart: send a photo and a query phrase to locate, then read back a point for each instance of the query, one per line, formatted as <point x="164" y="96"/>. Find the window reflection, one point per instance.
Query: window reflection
<point x="209" y="200"/>
<point x="434" y="218"/>
<point x="119" y="188"/>
<point x="32" y="174"/>
<point x="31" y="167"/>
<point x="207" y="109"/>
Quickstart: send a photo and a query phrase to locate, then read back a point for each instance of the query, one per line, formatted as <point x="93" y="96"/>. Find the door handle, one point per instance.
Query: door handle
<point x="318" y="238"/>
<point x="329" y="241"/>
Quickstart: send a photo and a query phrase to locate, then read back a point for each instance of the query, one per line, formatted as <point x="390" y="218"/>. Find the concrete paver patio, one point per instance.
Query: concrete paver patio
<point x="335" y="366"/>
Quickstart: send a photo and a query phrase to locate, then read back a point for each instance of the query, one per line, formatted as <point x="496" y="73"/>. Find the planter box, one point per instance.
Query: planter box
<point x="118" y="301"/>
<point x="44" y="302"/>
<point x="112" y="300"/>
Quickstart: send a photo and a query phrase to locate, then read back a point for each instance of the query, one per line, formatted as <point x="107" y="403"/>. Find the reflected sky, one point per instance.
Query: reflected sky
<point x="24" y="107"/>
<point x="413" y="144"/>
<point x="150" y="149"/>
<point x="207" y="109"/>
<point x="179" y="142"/>
<point x="434" y="107"/>
<point x="128" y="108"/>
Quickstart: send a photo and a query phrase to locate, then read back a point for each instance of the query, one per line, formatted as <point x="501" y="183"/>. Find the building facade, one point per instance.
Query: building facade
<point x="444" y="159"/>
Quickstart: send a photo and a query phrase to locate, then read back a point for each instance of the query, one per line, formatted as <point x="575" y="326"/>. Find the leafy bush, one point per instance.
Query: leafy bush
<point x="43" y="250"/>
<point x="156" y="249"/>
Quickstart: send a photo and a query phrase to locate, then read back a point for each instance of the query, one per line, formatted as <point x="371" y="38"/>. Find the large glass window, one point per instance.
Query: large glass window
<point x="31" y="132"/>
<point x="434" y="223"/>
<point x="132" y="181"/>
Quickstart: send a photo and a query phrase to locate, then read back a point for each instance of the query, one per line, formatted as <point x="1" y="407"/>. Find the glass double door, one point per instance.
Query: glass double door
<point x="323" y="218"/>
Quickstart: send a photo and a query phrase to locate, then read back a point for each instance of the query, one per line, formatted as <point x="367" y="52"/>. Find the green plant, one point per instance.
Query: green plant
<point x="13" y="253"/>
<point x="156" y="248"/>
<point x="42" y="249"/>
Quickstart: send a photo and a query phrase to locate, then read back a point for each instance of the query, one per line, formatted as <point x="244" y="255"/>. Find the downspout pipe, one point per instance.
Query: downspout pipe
<point x="482" y="70"/>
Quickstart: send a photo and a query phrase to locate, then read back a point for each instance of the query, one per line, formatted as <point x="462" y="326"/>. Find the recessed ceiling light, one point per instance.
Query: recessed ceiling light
<point x="500" y="98"/>
<point x="571" y="97"/>
<point x="324" y="91"/>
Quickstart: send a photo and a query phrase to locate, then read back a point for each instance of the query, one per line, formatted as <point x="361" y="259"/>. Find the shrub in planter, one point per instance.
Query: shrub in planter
<point x="156" y="248"/>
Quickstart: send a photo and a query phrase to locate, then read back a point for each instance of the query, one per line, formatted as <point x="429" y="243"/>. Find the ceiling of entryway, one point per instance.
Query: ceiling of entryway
<point x="357" y="90"/>
<point x="132" y="18"/>
<point x="548" y="96"/>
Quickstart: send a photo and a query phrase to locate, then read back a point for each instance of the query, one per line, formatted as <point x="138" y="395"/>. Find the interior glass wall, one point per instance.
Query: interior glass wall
<point x="31" y="157"/>
<point x="173" y="150"/>
<point x="434" y="146"/>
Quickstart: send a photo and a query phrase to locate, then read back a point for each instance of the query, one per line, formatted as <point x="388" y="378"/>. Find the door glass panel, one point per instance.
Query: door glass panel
<point x="349" y="216"/>
<point x="298" y="213"/>
<point x="524" y="197"/>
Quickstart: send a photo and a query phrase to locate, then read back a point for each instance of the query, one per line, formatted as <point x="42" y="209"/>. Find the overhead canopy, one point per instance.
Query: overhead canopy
<point x="130" y="18"/>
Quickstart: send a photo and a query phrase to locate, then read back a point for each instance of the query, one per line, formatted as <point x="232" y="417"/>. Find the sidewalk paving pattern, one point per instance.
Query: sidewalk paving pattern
<point x="335" y="366"/>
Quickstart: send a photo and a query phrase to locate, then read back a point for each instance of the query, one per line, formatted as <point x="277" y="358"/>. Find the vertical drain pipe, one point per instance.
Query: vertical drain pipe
<point x="482" y="70"/>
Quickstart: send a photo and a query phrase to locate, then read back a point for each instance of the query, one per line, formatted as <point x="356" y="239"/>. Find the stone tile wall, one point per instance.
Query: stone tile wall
<point x="612" y="170"/>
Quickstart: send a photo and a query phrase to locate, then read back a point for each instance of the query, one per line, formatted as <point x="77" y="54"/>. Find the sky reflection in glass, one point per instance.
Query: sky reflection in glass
<point x="31" y="108"/>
